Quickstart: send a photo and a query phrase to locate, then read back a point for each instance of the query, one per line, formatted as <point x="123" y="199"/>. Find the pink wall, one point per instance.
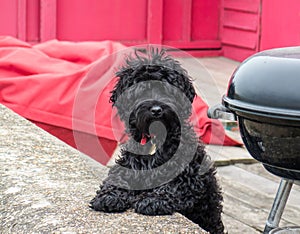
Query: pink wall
<point x="280" y="23"/>
<point x="186" y="24"/>
<point x="236" y="28"/>
<point x="8" y="17"/>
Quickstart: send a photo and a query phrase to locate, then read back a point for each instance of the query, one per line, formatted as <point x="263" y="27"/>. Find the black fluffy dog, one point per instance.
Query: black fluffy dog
<point x="163" y="167"/>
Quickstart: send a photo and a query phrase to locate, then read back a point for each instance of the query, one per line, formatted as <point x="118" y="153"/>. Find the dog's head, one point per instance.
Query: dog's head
<point x="152" y="88"/>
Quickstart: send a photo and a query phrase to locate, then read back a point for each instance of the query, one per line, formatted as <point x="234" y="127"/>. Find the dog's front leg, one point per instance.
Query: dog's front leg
<point x="111" y="199"/>
<point x="154" y="203"/>
<point x="153" y="206"/>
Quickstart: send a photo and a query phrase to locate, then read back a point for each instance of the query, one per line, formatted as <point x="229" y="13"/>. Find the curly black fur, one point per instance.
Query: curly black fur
<point x="153" y="97"/>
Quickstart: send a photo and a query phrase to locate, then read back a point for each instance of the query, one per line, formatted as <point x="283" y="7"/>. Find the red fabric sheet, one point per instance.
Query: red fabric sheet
<point x="64" y="88"/>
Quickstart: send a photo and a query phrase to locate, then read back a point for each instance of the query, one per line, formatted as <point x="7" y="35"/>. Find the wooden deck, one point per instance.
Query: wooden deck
<point x="249" y="190"/>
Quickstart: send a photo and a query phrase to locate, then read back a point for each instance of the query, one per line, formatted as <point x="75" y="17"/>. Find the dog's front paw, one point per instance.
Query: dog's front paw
<point x="153" y="206"/>
<point x="109" y="203"/>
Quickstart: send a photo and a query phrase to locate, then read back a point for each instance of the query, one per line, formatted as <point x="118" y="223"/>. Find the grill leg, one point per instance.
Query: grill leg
<point x="281" y="198"/>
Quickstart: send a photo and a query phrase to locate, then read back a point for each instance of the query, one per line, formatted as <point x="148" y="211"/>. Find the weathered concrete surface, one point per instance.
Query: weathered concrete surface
<point x="45" y="187"/>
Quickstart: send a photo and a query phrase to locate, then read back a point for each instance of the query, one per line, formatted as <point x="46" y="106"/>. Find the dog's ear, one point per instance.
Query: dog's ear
<point x="114" y="94"/>
<point x="183" y="82"/>
<point x="126" y="75"/>
<point x="188" y="88"/>
<point x="124" y="81"/>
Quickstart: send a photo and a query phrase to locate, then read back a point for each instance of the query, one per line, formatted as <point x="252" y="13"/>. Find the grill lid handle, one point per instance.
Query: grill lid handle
<point x="220" y="112"/>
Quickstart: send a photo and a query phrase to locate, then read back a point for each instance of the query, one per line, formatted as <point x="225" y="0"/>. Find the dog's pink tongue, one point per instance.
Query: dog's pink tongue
<point x="143" y="140"/>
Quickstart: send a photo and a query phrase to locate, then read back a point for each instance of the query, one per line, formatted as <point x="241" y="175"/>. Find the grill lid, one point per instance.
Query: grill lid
<point x="267" y="85"/>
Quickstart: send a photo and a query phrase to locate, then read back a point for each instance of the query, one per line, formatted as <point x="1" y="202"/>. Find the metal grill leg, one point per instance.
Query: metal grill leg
<point x="279" y="203"/>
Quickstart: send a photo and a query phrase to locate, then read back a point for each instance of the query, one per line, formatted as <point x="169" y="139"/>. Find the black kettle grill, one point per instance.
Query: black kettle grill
<point x="264" y="97"/>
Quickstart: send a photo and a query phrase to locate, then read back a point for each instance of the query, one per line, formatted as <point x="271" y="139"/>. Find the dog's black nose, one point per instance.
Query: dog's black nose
<point x="156" y="111"/>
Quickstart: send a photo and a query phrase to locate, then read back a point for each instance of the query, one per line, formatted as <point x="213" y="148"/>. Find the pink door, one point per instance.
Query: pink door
<point x="191" y="24"/>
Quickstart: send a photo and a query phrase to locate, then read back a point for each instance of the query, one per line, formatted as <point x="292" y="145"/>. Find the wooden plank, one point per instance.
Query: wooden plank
<point x="236" y="53"/>
<point x="229" y="155"/>
<point x="251" y="215"/>
<point x="205" y="44"/>
<point x="260" y="170"/>
<point x="239" y="38"/>
<point x="205" y="20"/>
<point x="187" y="20"/>
<point x="155" y="19"/>
<point x="234" y="226"/>
<point x="198" y="53"/>
<point x="237" y="154"/>
<point x="22" y="19"/>
<point x="48" y="20"/>
<point x="221" y="76"/>
<point x="256" y="182"/>
<point x="241" y="20"/>
<point x="248" y="198"/>
<point x="244" y="5"/>
<point x="257" y="198"/>
<point x="172" y="20"/>
<point x="33" y="21"/>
